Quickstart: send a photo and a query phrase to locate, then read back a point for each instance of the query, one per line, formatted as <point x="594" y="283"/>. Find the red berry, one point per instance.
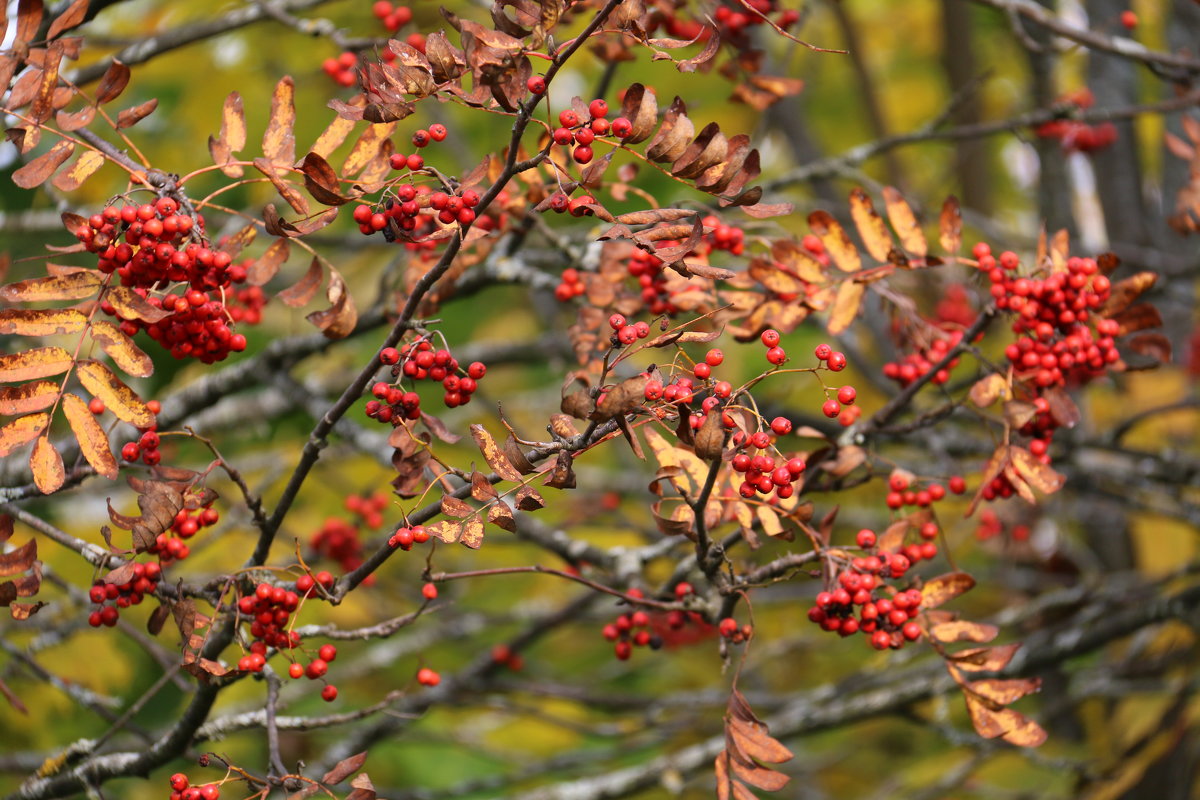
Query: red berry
<point x="957" y="484"/>
<point x="429" y="591"/>
<point x="622" y="128"/>
<point x="770" y="338"/>
<point x="536" y="84"/>
<point x="96" y="405"/>
<point x="329" y="693"/>
<point x="598" y="108"/>
<point x="437" y="131"/>
<point x="714" y="357"/>
<point x="836" y="361"/>
<point x="568" y="118"/>
<point x="831" y="408"/>
<point x="582" y="154"/>
<point x="179" y="781"/>
<point x="328" y="652"/>
<point x="616" y="321"/>
<point x="427" y="677"/>
<point x="781" y="426"/>
<point x="1129" y="19"/>
<point x="296" y="670"/>
<point x="776" y="355"/>
<point x="823" y="351"/>
<point x="846" y="395"/>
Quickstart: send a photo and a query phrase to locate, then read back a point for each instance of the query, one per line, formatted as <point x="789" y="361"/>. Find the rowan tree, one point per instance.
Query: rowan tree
<point x="541" y="398"/>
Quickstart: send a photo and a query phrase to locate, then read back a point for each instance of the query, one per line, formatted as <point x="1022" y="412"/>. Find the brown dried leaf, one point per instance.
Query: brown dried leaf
<point x="500" y="515"/>
<point x="118" y="398"/>
<point x="267" y="266"/>
<point x="114" y="81"/>
<point x="47" y="466"/>
<point x="640" y="107"/>
<point x="626" y="396"/>
<point x="344" y="768"/>
<point x="562" y="476"/>
<point x="529" y="499"/>
<point x="1125" y="291"/>
<point x="70" y="18"/>
<point x="132" y="116"/>
<point x="43" y="102"/>
<point x="19" y="560"/>
<point x="292" y="197"/>
<point x="301" y="292"/>
<point x="39" y="169"/>
<point x="321" y="181"/>
<point x="710" y="439"/>
<point x="1152" y="345"/>
<point x="337" y="321"/>
<point x="837" y="242"/>
<point x="93" y="441"/>
<point x="1004" y="691"/>
<point x="279" y="138"/>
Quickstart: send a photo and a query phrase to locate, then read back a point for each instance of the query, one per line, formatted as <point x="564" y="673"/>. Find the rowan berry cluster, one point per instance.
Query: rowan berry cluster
<point x="731" y="630"/>
<point x="505" y="656"/>
<point x="735" y="21"/>
<point x="316" y="669"/>
<point x="146" y="446"/>
<point x="761" y="473"/>
<point x="632" y="629"/>
<point x="428" y="677"/>
<point x="406" y="537"/>
<point x="1056" y="345"/>
<point x="340" y="540"/>
<point x="1078" y="136"/>
<point x="170" y="545"/>
<point x="163" y="250"/>
<point x="111" y="597"/>
<point x="887" y="621"/>
<point x="419" y="361"/>
<point x="269" y="610"/>
<point x="181" y="789"/>
<point x="574" y="131"/>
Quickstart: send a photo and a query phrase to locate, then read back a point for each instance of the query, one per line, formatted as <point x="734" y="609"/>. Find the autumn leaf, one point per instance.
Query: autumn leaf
<point x="93" y="441"/>
<point x="118" y="398"/>
<point x="944" y="588"/>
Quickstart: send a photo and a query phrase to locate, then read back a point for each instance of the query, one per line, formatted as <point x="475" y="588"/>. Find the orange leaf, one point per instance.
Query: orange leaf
<point x="121" y="349"/>
<point x="1038" y="475"/>
<point x="845" y="306"/>
<point x="964" y="631"/>
<point x="1004" y="691"/>
<point x="279" y="138"/>
<point x="494" y="455"/>
<point x="871" y="226"/>
<point x="41" y="321"/>
<point x="115" y="79"/>
<point x="267" y="265"/>
<point x="47" y="466"/>
<point x="131" y="305"/>
<point x="68" y="19"/>
<point x="940" y="590"/>
<point x="304" y="289"/>
<point x="85" y="166"/>
<point x="118" y="398"/>
<point x="950" y="224"/>
<point x="21" y="431"/>
<point x="843" y="252"/>
<point x="905" y="222"/>
<point x="27" y="397"/>
<point x="93" y="441"/>
<point x="36" y="363"/>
